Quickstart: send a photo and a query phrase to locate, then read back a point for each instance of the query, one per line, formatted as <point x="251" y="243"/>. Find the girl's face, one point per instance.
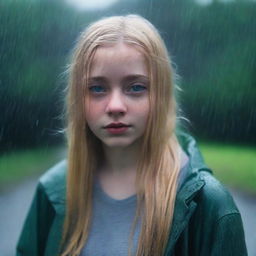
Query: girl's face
<point x="117" y="101"/>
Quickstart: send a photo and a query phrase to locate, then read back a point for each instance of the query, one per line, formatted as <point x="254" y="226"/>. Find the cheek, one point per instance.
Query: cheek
<point x="92" y="112"/>
<point x="142" y="110"/>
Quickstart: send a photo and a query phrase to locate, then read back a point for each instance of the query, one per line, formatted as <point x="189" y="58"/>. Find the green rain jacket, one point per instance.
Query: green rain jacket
<point x="206" y="221"/>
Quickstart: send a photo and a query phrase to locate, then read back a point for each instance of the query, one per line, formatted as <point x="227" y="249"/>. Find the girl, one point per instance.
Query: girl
<point x="134" y="186"/>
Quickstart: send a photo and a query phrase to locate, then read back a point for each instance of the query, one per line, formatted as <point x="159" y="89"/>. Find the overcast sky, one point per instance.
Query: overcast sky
<point x="91" y="4"/>
<point x="100" y="4"/>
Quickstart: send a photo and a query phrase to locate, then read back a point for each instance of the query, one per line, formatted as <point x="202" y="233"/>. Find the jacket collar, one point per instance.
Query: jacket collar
<point x="193" y="183"/>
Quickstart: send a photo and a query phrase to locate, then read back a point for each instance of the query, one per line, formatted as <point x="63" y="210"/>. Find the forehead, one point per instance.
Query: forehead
<point x="120" y="48"/>
<point x="120" y="58"/>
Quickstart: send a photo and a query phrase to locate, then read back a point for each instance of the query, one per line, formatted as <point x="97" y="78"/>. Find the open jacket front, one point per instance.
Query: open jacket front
<point x="206" y="220"/>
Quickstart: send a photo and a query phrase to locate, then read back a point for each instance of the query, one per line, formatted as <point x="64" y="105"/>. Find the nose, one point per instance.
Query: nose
<point x="116" y="105"/>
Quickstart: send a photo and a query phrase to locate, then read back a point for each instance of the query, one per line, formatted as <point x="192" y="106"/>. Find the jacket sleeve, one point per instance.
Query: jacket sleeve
<point x="229" y="236"/>
<point x="37" y="225"/>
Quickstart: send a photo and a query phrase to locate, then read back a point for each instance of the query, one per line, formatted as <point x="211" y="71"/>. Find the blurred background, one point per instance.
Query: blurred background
<point x="213" y="47"/>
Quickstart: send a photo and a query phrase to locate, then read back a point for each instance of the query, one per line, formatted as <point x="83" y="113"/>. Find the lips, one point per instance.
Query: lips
<point x="117" y="129"/>
<point x="116" y="125"/>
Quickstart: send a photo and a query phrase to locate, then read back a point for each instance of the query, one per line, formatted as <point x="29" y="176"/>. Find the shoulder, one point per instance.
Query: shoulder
<point x="210" y="223"/>
<point x="42" y="228"/>
<point x="206" y="214"/>
<point x="56" y="175"/>
<point x="215" y="198"/>
<point x="217" y="216"/>
<point x="53" y="183"/>
<point x="201" y="186"/>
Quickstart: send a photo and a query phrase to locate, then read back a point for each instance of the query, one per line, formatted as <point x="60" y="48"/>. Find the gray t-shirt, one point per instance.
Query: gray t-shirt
<point x="111" y="225"/>
<point x="112" y="221"/>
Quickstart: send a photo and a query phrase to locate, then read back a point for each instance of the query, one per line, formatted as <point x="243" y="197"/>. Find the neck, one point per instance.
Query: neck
<point x="120" y="160"/>
<point x="117" y="175"/>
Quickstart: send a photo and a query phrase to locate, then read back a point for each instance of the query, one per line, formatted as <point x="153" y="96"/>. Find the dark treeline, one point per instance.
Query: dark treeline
<point x="214" y="47"/>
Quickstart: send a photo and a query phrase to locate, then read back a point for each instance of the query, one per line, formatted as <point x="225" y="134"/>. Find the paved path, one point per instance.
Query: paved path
<point x="247" y="206"/>
<point x="15" y="203"/>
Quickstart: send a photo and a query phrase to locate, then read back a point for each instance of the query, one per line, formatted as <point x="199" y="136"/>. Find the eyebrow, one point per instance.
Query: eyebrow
<point x="128" y="78"/>
<point x="135" y="77"/>
<point x="97" y="79"/>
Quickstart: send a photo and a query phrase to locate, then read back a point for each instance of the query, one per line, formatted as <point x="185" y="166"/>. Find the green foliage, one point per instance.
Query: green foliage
<point x="35" y="39"/>
<point x="219" y="91"/>
<point x="213" y="46"/>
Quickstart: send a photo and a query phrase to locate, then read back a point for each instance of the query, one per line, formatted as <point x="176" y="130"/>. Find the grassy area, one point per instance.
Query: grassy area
<point x="18" y="165"/>
<point x="232" y="165"/>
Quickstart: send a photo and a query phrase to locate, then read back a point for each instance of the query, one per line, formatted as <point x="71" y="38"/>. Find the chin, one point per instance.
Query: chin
<point x="118" y="142"/>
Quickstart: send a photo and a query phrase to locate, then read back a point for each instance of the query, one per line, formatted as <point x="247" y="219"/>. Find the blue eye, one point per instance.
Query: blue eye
<point x="97" y="89"/>
<point x="137" y="88"/>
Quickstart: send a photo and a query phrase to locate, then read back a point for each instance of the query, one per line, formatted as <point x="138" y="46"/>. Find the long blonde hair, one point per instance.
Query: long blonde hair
<point x="159" y="162"/>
